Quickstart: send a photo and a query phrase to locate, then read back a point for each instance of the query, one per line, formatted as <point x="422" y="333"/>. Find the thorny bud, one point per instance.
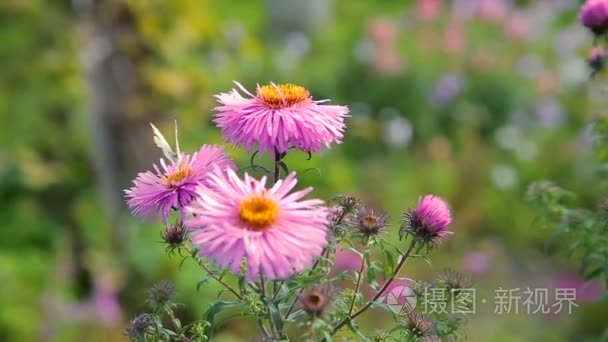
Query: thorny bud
<point x="370" y="222"/>
<point x="139" y="327"/>
<point x="175" y="235"/>
<point x="161" y="293"/>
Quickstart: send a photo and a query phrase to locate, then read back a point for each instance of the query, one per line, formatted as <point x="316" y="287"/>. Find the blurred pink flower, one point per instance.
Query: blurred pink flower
<point x="388" y="63"/>
<point x="395" y="285"/>
<point x="596" y="58"/>
<point x="493" y="11"/>
<point x="428" y="10"/>
<point x="476" y="263"/>
<point x="383" y="33"/>
<point x="455" y="39"/>
<point x="516" y="26"/>
<point x="347" y="260"/>
<point x="106" y="303"/>
<point x="586" y="291"/>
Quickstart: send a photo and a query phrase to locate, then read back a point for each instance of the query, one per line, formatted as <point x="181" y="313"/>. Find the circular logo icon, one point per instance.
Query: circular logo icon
<point x="401" y="299"/>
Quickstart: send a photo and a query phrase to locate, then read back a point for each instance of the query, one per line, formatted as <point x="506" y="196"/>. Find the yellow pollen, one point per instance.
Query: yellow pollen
<point x="258" y="213"/>
<point x="177" y="176"/>
<point x="282" y="95"/>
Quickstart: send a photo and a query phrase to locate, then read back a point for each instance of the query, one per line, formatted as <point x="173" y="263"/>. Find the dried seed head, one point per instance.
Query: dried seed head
<point x="316" y="300"/>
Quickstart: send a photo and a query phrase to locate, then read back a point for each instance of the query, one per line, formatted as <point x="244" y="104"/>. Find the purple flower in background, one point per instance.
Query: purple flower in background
<point x="429" y="221"/>
<point x="279" y="117"/>
<point x="156" y="193"/>
<point x="446" y="89"/>
<point x="106" y="303"/>
<point x="586" y="291"/>
<point x="594" y="15"/>
<point x="428" y="10"/>
<point x="476" y="263"/>
<point x="550" y="112"/>
<point x="494" y="11"/>
<point x="347" y="260"/>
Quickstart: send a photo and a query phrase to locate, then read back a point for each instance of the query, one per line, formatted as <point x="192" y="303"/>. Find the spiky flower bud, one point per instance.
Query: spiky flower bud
<point x="455" y="281"/>
<point x="175" y="235"/>
<point x="596" y="59"/>
<point x="429" y="221"/>
<point x="137" y="329"/>
<point x="370" y="222"/>
<point x="161" y="293"/>
<point x="419" y="326"/>
<point x="348" y="203"/>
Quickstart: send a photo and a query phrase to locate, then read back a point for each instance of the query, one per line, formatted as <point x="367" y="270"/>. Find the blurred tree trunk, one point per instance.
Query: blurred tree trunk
<point x="287" y="16"/>
<point x="119" y="103"/>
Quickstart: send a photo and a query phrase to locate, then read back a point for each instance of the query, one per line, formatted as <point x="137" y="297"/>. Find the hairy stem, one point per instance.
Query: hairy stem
<point x="176" y="324"/>
<point x="277" y="170"/>
<point x="361" y="269"/>
<point x="223" y="283"/>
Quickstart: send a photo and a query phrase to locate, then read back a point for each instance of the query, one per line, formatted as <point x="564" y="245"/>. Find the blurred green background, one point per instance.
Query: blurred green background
<point x="468" y="99"/>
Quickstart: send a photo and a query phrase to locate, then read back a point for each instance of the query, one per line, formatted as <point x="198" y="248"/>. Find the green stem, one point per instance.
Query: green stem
<point x="223" y="283"/>
<point x="380" y="293"/>
<point x="361" y="269"/>
<point x="176" y="324"/>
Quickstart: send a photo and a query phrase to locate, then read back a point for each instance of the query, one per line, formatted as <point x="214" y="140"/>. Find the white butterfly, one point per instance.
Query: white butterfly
<point x="161" y="142"/>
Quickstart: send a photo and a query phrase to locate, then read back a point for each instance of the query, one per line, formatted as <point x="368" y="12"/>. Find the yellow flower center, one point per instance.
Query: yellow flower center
<point x="282" y="95"/>
<point x="177" y="176"/>
<point x="258" y="213"/>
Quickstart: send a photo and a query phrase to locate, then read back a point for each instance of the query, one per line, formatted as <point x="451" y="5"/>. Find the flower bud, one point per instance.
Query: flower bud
<point x="316" y="300"/>
<point x="429" y="221"/>
<point x="594" y="15"/>
<point x="596" y="59"/>
<point x="419" y="326"/>
<point x="161" y="293"/>
<point x="370" y="222"/>
<point x="175" y="235"/>
<point x="138" y="328"/>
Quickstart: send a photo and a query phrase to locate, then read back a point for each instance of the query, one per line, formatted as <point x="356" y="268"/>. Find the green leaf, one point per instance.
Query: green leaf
<point x="203" y="281"/>
<point x="355" y="329"/>
<point x="216" y="308"/>
<point x="274" y="313"/>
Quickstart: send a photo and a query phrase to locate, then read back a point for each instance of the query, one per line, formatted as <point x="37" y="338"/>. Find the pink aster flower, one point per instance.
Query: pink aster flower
<point x="594" y="15"/>
<point x="429" y="221"/>
<point x="273" y="230"/>
<point x="157" y="192"/>
<point x="278" y="117"/>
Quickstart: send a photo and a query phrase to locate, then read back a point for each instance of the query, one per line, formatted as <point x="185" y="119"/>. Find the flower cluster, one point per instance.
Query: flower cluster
<point x="267" y="232"/>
